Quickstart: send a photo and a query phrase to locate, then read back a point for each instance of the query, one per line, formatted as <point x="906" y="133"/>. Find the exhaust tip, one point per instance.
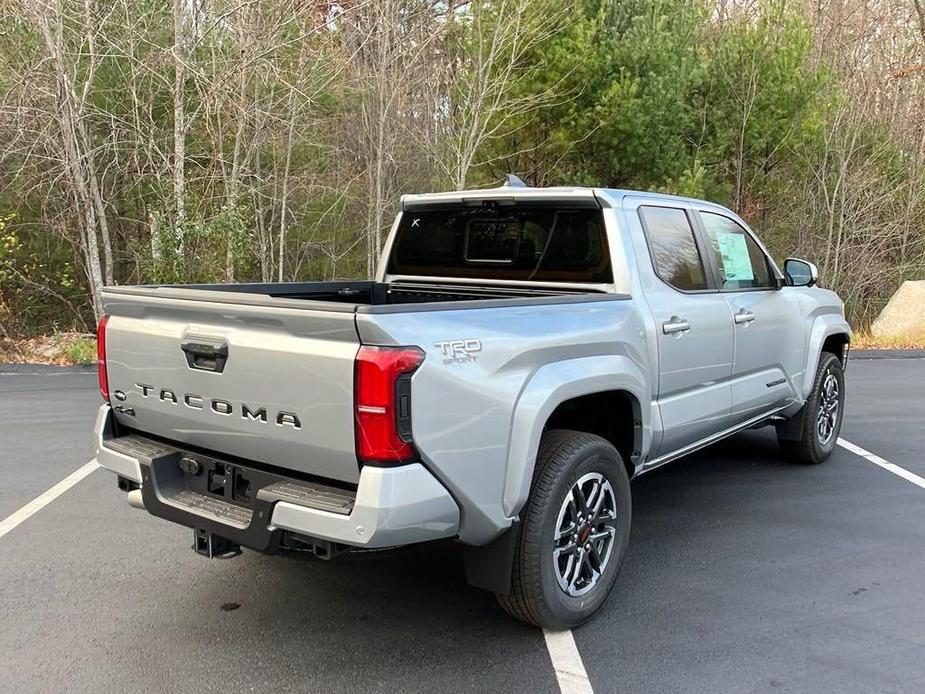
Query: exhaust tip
<point x="135" y="500"/>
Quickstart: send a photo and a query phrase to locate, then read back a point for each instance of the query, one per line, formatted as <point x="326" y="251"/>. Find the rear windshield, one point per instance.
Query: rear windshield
<point x="544" y="244"/>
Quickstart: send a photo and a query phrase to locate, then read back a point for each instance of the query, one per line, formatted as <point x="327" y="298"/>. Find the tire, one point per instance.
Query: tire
<point x="541" y="592"/>
<point x="801" y="439"/>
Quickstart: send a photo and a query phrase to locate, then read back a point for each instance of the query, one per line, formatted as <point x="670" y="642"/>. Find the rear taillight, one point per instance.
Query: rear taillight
<point x="101" y="357"/>
<point x="383" y="403"/>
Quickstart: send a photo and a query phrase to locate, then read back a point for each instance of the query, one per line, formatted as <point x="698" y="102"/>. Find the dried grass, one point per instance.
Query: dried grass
<point x="62" y="349"/>
<point x="864" y="340"/>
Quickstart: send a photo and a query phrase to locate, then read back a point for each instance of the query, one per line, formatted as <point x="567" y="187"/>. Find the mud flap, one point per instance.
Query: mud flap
<point x="489" y="567"/>
<point x="792" y="428"/>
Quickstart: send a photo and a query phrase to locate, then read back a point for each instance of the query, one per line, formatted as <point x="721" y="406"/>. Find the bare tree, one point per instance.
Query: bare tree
<point x="389" y="46"/>
<point x="64" y="37"/>
<point x="490" y="81"/>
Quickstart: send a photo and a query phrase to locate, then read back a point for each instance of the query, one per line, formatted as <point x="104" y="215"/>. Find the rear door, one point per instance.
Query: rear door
<point x="261" y="378"/>
<point x="768" y="324"/>
<point x="694" y="331"/>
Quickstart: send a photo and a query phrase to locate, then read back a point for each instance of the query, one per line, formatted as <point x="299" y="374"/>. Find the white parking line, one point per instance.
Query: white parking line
<point x="45" y="498"/>
<point x="885" y="464"/>
<point x="570" y="671"/>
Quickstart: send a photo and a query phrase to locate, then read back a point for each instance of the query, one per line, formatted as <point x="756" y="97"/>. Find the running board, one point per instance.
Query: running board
<point x="697" y="445"/>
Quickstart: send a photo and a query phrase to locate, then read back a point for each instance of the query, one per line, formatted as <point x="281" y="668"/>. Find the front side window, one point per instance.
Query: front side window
<point x="674" y="252"/>
<point x="741" y="262"/>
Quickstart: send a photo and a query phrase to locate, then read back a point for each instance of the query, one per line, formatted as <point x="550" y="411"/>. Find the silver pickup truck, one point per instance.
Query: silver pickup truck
<point x="522" y="354"/>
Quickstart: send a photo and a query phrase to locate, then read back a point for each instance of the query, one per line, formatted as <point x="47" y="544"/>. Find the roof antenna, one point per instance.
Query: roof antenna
<point x="512" y="181"/>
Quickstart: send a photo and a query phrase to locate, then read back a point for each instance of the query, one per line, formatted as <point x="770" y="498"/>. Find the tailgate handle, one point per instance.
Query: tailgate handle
<point x="205" y="356"/>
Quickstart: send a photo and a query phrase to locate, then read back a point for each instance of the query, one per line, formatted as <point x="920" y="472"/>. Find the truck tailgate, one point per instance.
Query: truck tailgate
<point x="265" y="379"/>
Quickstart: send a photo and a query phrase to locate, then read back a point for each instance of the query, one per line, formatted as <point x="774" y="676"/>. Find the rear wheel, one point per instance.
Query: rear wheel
<point x="811" y="438"/>
<point x="574" y="532"/>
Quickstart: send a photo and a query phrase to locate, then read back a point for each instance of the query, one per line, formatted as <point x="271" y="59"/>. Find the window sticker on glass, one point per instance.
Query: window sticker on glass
<point x="733" y="249"/>
<point x="492" y="240"/>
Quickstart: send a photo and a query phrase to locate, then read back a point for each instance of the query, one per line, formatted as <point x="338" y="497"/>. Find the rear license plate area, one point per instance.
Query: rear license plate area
<point x="218" y="478"/>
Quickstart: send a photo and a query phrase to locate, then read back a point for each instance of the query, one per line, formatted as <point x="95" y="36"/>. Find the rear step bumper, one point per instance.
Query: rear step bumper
<point x="391" y="506"/>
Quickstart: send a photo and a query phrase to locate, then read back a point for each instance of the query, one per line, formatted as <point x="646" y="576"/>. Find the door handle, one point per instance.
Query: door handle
<point x="743" y="316"/>
<point x="205" y="356"/>
<point x="675" y="325"/>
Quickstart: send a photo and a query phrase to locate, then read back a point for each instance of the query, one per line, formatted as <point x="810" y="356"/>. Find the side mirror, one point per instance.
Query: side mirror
<point x="800" y="273"/>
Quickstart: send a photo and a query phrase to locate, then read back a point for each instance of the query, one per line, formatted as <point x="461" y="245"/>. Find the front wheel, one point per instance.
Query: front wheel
<point x="574" y="532"/>
<point x="812" y="436"/>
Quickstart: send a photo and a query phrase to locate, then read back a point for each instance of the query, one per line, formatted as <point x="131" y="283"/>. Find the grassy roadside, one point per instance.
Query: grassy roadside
<point x="62" y="349"/>
<point x="864" y="340"/>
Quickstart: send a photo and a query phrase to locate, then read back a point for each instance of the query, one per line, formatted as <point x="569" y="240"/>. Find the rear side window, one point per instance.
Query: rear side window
<point x="741" y="262"/>
<point x="674" y="252"/>
<point x="513" y="242"/>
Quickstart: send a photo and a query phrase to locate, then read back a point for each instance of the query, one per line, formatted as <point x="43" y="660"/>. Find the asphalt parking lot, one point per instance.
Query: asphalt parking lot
<point x="745" y="573"/>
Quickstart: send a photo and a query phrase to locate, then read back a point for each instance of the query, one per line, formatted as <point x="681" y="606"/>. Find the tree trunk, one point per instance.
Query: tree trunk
<point x="284" y="201"/>
<point x="179" y="128"/>
<point x="233" y="185"/>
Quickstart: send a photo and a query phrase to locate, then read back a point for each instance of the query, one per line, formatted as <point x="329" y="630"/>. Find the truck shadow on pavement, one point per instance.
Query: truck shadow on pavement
<point x="396" y="621"/>
<point x="375" y="620"/>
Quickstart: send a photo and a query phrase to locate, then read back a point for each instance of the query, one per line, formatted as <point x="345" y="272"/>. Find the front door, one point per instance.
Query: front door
<point x="767" y="321"/>
<point x="694" y="331"/>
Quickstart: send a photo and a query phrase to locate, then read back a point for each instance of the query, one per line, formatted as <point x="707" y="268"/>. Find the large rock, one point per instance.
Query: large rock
<point x="904" y="315"/>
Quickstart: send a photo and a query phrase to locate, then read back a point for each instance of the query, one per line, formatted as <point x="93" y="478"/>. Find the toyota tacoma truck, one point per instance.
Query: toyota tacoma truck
<point x="521" y="355"/>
